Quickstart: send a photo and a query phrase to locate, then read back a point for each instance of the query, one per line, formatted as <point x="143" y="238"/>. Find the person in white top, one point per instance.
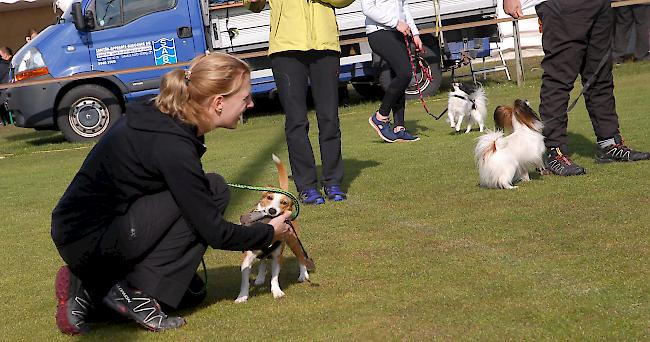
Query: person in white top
<point x="577" y="40"/>
<point x="389" y="25"/>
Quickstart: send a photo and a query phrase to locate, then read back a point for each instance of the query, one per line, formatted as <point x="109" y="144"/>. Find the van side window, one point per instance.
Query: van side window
<point x="134" y="9"/>
<point x="108" y="13"/>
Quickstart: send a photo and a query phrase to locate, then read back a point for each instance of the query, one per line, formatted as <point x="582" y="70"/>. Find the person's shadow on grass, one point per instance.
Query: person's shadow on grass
<point x="581" y="145"/>
<point x="38" y="138"/>
<point x="353" y="168"/>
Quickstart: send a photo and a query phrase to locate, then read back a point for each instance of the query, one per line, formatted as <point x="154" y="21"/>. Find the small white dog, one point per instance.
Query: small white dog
<point x="503" y="160"/>
<point x="466" y="101"/>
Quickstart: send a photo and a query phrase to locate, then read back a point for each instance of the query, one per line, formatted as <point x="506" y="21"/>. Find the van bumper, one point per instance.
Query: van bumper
<point x="33" y="106"/>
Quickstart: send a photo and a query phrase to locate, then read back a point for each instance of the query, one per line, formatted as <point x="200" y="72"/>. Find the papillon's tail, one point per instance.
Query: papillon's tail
<point x="480" y="100"/>
<point x="282" y="173"/>
<point x="486" y="145"/>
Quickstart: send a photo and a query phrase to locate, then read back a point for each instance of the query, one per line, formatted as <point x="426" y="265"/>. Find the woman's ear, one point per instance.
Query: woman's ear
<point x="217" y="104"/>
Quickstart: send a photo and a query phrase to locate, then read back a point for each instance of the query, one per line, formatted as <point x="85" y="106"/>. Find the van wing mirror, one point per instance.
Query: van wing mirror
<point x="78" y="17"/>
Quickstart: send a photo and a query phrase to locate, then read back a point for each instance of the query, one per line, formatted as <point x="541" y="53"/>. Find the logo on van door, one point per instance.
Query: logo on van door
<point x="164" y="51"/>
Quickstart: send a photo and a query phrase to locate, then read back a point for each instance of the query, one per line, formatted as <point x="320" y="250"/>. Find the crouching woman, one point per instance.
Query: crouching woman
<point x="137" y="218"/>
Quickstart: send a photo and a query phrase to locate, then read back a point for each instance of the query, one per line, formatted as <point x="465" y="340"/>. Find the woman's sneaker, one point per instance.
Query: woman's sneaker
<point x="311" y="196"/>
<point x="334" y="193"/>
<point x="73" y="303"/>
<point x="619" y="152"/>
<point x="404" y="136"/>
<point x="139" y="307"/>
<point x="383" y="128"/>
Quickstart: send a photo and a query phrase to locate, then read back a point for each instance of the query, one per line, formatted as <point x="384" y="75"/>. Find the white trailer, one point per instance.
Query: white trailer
<point x="234" y="29"/>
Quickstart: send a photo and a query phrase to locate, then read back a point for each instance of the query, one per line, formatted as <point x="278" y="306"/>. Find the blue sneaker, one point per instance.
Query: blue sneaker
<point x="383" y="128"/>
<point x="405" y="136"/>
<point x="311" y="196"/>
<point x="334" y="193"/>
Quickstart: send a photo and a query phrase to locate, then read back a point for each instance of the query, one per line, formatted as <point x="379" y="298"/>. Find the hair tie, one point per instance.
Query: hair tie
<point x="188" y="73"/>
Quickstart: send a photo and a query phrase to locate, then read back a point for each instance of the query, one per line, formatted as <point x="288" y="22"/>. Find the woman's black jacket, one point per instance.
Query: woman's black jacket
<point x="147" y="152"/>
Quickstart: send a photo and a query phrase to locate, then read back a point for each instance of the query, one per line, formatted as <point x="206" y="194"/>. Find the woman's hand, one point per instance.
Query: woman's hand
<point x="404" y="28"/>
<point x="513" y="8"/>
<point x="280" y="227"/>
<point x="418" y="43"/>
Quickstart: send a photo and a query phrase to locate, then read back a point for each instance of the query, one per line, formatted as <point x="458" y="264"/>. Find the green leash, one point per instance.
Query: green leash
<point x="296" y="203"/>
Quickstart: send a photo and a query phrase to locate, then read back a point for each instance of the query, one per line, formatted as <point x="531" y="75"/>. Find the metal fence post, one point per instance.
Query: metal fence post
<point x="518" y="61"/>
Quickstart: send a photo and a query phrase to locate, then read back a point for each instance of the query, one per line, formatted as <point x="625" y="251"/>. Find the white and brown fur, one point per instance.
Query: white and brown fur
<point x="274" y="204"/>
<point x="466" y="102"/>
<point x="505" y="159"/>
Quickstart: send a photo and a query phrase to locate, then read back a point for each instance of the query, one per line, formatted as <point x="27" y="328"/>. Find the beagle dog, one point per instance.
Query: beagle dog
<point x="271" y="205"/>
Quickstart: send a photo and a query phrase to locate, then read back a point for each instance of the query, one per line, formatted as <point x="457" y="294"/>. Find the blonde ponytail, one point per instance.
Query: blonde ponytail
<point x="185" y="94"/>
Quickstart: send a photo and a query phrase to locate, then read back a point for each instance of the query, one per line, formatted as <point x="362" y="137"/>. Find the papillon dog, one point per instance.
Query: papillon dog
<point x="271" y="205"/>
<point x="466" y="101"/>
<point x="505" y="159"/>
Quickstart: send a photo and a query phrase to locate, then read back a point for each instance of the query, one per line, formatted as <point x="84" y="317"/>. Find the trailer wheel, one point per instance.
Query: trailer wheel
<point x="86" y="112"/>
<point x="427" y="87"/>
<point x="368" y="90"/>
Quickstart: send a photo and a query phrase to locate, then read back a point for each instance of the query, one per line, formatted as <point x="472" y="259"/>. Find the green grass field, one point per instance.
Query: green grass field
<point x="417" y="252"/>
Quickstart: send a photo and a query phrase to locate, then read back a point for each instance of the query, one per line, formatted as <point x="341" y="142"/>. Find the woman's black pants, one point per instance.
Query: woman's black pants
<point x="577" y="36"/>
<point x="151" y="246"/>
<point x="294" y="72"/>
<point x="391" y="47"/>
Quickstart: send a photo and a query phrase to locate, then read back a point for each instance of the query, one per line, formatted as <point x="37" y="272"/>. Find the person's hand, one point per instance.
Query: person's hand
<point x="513" y="8"/>
<point x="280" y="227"/>
<point x="404" y="28"/>
<point x="418" y="43"/>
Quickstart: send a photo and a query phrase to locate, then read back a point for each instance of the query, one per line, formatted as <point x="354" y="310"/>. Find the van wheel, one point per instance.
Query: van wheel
<point x="427" y="87"/>
<point x="86" y="112"/>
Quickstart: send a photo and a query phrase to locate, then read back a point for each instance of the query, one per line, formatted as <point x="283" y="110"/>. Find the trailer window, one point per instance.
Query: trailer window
<point x="134" y="9"/>
<point x="108" y="13"/>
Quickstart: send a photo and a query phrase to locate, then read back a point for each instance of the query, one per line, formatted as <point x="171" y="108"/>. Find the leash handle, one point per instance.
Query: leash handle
<point x="425" y="71"/>
<point x="295" y="200"/>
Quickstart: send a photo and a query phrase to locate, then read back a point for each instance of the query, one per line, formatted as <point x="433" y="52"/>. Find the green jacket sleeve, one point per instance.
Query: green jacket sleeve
<point x="256" y="6"/>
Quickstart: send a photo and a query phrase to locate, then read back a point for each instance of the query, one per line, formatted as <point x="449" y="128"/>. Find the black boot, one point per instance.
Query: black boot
<point x="141" y="308"/>
<point x="73" y="303"/>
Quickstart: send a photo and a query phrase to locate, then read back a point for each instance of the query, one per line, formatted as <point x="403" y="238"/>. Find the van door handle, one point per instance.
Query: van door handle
<point x="184" y="32"/>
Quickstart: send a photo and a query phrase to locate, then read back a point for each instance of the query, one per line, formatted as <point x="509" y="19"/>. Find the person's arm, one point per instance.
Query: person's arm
<point x="371" y="11"/>
<point x="181" y="167"/>
<point x="513" y="8"/>
<point x="410" y="21"/>
<point x="414" y="29"/>
<point x="255" y="5"/>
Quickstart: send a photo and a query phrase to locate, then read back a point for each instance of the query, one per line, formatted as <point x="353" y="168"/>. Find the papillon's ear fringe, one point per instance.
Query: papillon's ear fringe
<point x="503" y="117"/>
<point x="526" y="115"/>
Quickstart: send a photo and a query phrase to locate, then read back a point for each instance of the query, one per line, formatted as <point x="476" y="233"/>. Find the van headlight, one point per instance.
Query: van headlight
<point x="30" y="65"/>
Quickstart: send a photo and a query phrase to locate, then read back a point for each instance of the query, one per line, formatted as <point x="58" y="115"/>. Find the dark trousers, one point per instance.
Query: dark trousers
<point x="577" y="35"/>
<point x="294" y="71"/>
<point x="151" y="246"/>
<point x="628" y="19"/>
<point x="390" y="46"/>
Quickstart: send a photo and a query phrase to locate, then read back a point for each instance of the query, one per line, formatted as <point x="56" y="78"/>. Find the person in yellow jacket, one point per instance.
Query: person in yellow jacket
<point x="304" y="50"/>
